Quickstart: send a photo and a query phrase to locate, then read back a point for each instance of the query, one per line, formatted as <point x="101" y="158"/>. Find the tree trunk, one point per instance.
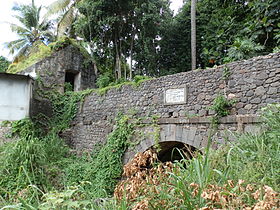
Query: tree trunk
<point x="131" y="55"/>
<point x="118" y="60"/>
<point x="193" y="33"/>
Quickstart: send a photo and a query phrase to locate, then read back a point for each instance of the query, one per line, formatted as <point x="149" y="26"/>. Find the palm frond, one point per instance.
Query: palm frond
<point x="57" y="7"/>
<point x="18" y="29"/>
<point x="21" y="53"/>
<point x="31" y="29"/>
<point x="15" y="45"/>
<point x="66" y="21"/>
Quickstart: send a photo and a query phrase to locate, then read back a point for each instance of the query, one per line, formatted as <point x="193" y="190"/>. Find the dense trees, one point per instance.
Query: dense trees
<point x="118" y="30"/>
<point x="226" y="31"/>
<point x="126" y="36"/>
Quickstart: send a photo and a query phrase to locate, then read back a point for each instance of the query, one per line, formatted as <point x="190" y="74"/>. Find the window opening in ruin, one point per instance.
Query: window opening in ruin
<point x="173" y="150"/>
<point x="71" y="81"/>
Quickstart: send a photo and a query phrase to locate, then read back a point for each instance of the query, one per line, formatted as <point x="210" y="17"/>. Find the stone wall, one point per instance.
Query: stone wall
<point x="52" y="69"/>
<point x="254" y="83"/>
<point x="51" y="72"/>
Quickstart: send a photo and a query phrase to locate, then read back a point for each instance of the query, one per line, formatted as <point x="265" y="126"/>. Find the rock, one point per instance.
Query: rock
<point x="231" y="96"/>
<point x="250" y="93"/>
<point x="272" y="90"/>
<point x="262" y="76"/>
<point x="256" y="101"/>
<point x="248" y="107"/>
<point x="260" y="91"/>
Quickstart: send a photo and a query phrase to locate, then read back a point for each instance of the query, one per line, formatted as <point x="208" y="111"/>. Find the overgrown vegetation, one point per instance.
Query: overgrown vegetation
<point x="105" y="84"/>
<point x="242" y="174"/>
<point x="41" y="51"/>
<point x="221" y="106"/>
<point x="126" y="38"/>
<point x="39" y="165"/>
<point x="39" y="172"/>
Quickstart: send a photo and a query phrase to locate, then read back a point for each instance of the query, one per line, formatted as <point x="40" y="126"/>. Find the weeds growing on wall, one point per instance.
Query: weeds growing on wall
<point x="221" y="106"/>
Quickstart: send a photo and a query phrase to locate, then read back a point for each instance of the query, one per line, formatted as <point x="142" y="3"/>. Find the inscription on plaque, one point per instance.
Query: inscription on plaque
<point x="176" y="95"/>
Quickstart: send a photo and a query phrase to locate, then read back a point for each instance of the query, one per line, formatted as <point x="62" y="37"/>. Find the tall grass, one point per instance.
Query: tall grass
<point x="254" y="158"/>
<point x="38" y="172"/>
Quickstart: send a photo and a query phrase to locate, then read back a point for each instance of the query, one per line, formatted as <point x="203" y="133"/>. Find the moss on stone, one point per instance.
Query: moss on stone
<point x="44" y="51"/>
<point x="137" y="83"/>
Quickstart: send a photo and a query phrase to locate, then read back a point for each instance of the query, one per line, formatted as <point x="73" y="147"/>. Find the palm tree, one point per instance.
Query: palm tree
<point x="68" y="13"/>
<point x="31" y="30"/>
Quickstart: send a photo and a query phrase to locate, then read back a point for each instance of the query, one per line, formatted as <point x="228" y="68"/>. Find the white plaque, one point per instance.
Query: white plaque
<point x="175" y="95"/>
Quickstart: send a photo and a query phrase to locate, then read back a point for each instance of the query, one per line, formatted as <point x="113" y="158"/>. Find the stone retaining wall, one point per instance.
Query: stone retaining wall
<point x="254" y="83"/>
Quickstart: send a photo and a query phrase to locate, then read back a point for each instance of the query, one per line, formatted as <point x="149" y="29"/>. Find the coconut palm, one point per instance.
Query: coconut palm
<point x="68" y="13"/>
<point x="30" y="31"/>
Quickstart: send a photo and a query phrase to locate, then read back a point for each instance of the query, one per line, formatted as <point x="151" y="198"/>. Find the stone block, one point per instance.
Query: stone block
<point x="188" y="135"/>
<point x="197" y="141"/>
<point x="250" y="93"/>
<point x="256" y="101"/>
<point x="179" y="133"/>
<point x="260" y="91"/>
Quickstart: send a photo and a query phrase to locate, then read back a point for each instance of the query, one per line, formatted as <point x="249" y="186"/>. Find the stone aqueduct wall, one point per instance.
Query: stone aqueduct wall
<point x="254" y="82"/>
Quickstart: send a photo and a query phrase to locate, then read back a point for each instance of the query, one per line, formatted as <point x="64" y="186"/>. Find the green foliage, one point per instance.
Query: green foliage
<point x="252" y="158"/>
<point x="42" y="51"/>
<point x="121" y="82"/>
<point x="139" y="78"/>
<point x="221" y="105"/>
<point x="71" y="198"/>
<point x="4" y="64"/>
<point x="226" y="31"/>
<point x="242" y="49"/>
<point x="226" y="73"/>
<point x="104" y="80"/>
<point x="117" y="30"/>
<point x="60" y="44"/>
<point x="30" y="165"/>
<point x="103" y="168"/>
<point x="38" y="169"/>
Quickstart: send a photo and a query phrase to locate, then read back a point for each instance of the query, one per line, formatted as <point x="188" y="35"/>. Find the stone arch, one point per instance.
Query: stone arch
<point x="169" y="133"/>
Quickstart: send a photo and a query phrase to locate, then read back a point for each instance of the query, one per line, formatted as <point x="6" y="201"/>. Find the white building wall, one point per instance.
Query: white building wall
<point x="15" y="97"/>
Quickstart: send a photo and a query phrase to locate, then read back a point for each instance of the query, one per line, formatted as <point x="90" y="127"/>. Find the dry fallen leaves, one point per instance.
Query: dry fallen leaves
<point x="143" y="175"/>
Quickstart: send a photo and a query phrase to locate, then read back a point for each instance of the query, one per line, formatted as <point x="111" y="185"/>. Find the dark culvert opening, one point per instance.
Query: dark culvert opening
<point x="173" y="150"/>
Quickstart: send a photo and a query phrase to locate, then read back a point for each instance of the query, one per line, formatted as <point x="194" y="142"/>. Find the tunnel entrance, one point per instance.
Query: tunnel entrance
<point x="174" y="150"/>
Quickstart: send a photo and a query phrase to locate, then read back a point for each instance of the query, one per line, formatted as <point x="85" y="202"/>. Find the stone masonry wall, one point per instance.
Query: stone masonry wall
<point x="254" y="82"/>
<point x="51" y="71"/>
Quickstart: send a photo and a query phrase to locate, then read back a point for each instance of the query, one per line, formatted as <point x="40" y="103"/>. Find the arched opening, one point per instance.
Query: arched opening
<point x="174" y="150"/>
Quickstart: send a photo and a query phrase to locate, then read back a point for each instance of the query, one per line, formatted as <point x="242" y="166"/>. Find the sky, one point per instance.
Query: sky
<point x="6" y="16"/>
